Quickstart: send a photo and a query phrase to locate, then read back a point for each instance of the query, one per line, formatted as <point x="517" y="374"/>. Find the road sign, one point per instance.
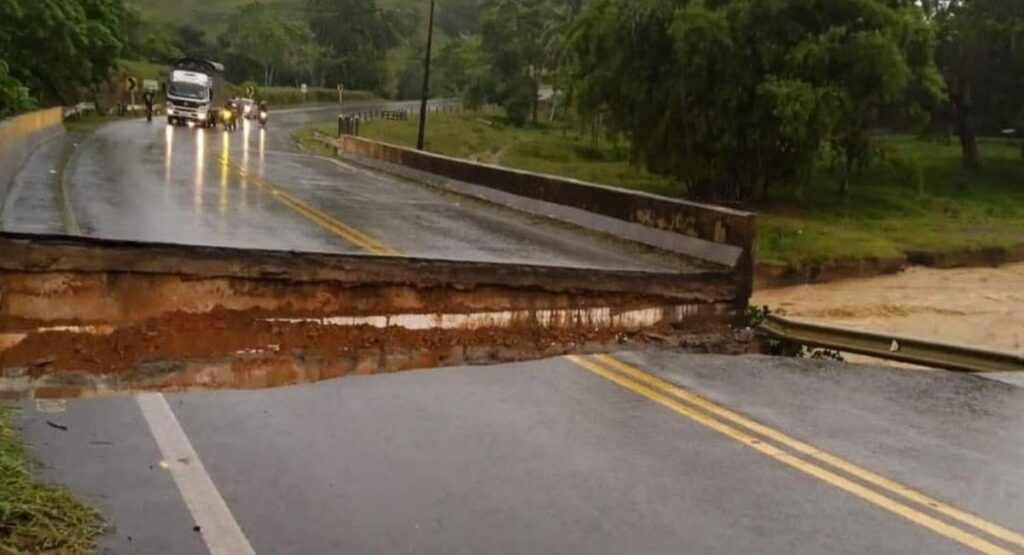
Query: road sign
<point x="131" y="83"/>
<point x="150" y="85"/>
<point x="250" y="91"/>
<point x="303" y="88"/>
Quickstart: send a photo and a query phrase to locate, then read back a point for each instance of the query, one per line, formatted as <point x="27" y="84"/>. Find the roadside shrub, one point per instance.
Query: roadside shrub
<point x="279" y="96"/>
<point x="909" y="174"/>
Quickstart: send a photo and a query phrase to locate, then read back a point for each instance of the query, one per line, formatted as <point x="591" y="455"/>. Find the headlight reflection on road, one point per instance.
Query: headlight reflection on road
<point x="262" y="152"/>
<point x="246" y="129"/>
<point x="197" y="197"/>
<point x="168" y="153"/>
<point x="225" y="170"/>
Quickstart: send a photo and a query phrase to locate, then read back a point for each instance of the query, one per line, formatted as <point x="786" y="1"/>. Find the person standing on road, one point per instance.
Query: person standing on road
<point x="147" y="97"/>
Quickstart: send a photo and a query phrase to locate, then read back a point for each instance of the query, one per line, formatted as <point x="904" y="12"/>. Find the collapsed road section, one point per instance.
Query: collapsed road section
<point x="84" y="316"/>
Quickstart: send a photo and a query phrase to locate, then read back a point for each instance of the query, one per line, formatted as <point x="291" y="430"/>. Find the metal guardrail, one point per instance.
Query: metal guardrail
<point x="894" y="347"/>
<point x="79" y="109"/>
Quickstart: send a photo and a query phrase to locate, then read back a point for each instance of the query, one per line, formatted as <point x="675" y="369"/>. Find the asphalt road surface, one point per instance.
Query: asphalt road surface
<point x="254" y="188"/>
<point x="651" y="452"/>
<point x="596" y="455"/>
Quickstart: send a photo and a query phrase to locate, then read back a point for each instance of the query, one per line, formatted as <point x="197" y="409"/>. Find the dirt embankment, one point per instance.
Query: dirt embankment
<point x="223" y="333"/>
<point x="975" y="306"/>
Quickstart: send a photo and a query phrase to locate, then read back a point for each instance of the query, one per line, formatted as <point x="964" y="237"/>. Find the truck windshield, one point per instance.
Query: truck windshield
<point x="187" y="90"/>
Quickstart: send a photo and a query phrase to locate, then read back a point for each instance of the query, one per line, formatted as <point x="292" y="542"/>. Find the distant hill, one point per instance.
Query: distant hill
<point x="212" y="15"/>
<point x="209" y="15"/>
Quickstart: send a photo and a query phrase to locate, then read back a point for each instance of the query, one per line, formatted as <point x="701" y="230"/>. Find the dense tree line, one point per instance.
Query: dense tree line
<point x="731" y="97"/>
<point x="52" y="50"/>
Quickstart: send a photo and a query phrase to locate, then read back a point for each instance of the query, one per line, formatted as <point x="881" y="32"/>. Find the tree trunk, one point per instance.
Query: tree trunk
<point x="961" y="101"/>
<point x="536" y="94"/>
<point x="844" y="183"/>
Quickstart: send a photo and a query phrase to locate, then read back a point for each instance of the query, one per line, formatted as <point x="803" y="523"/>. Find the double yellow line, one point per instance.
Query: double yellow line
<point x="874" y="488"/>
<point x="319" y="217"/>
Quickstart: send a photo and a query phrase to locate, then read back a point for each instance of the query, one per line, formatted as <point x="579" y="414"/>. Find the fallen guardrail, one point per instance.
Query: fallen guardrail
<point x="893" y="347"/>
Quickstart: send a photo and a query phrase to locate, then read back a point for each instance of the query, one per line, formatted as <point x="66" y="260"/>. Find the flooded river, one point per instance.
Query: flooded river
<point x="983" y="307"/>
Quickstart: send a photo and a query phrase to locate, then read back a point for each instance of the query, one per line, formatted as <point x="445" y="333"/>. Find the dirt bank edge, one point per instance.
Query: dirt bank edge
<point x="768" y="276"/>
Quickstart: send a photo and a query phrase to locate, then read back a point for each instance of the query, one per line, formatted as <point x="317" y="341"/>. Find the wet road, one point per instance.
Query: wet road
<point x="597" y="455"/>
<point x="656" y="452"/>
<point x="253" y="188"/>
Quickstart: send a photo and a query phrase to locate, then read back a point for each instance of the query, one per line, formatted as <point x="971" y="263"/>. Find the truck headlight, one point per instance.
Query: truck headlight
<point x="201" y="117"/>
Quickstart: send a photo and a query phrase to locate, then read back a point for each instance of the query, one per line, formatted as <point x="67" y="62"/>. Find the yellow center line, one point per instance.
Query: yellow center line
<point x="836" y="480"/>
<point x="319" y="217"/>
<point x="860" y="472"/>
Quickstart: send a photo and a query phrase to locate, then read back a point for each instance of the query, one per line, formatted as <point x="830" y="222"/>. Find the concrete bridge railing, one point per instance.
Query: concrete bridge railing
<point x="715" y="234"/>
<point x="19" y="136"/>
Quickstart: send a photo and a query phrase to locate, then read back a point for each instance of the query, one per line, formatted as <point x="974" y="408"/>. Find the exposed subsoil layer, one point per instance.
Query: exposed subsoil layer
<point x="225" y="333"/>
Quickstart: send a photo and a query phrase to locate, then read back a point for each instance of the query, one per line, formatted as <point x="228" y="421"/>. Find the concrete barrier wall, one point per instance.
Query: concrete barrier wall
<point x="714" y="225"/>
<point x="19" y="136"/>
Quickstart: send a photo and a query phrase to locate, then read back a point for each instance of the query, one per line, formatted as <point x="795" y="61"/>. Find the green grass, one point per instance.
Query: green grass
<point x="92" y="120"/>
<point x="884" y="214"/>
<point x="38" y="518"/>
<point x="486" y="137"/>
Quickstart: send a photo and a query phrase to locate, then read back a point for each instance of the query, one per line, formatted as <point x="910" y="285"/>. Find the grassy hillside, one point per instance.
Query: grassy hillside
<point x="212" y="15"/>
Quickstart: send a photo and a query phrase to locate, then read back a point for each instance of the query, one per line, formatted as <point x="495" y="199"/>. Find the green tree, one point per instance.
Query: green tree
<point x="458" y="17"/>
<point x="307" y="59"/>
<point x="254" y="34"/>
<point x="981" y="52"/>
<point x="359" y="33"/>
<point x="58" y="48"/>
<point x="513" y="41"/>
<point x="463" y="71"/>
<point x="145" y="40"/>
<point x="191" y="41"/>
<point x="13" y="94"/>
<point x="734" y="96"/>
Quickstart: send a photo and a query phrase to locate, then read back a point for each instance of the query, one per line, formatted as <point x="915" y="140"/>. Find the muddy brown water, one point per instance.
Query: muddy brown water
<point x="983" y="307"/>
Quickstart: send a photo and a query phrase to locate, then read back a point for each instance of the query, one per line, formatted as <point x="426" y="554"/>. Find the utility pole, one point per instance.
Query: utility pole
<point x="426" y="81"/>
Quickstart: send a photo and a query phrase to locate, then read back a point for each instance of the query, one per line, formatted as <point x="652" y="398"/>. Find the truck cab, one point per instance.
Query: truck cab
<point x="193" y="91"/>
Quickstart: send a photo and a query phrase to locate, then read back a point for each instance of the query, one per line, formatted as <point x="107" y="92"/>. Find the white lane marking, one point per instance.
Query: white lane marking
<point x="218" y="526"/>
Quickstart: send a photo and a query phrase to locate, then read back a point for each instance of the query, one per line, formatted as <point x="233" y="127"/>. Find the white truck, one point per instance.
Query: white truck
<point x="195" y="92"/>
